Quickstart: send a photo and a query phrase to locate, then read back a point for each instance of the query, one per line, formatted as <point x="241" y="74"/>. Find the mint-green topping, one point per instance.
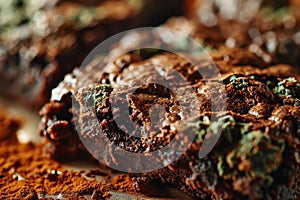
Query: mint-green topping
<point x="288" y="87"/>
<point x="256" y="155"/>
<point x="101" y="93"/>
<point x="239" y="82"/>
<point x="226" y="123"/>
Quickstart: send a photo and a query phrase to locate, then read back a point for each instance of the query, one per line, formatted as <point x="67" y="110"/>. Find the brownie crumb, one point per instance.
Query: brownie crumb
<point x="27" y="173"/>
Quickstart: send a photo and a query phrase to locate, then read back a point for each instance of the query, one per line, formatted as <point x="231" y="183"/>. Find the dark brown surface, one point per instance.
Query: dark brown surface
<point x="257" y="154"/>
<point x="262" y="105"/>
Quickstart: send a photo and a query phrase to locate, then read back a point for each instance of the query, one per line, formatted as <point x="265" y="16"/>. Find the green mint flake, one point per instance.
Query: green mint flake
<point x="239" y="82"/>
<point x="226" y="123"/>
<point x="256" y="155"/>
<point x="288" y="87"/>
<point x="101" y="92"/>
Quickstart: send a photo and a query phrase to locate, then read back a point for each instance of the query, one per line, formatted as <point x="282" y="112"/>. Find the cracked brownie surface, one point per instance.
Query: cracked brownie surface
<point x="258" y="145"/>
<point x="257" y="154"/>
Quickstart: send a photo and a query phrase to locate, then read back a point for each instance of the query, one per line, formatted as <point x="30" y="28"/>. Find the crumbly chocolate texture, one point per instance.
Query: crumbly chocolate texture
<point x="257" y="154"/>
<point x="41" y="42"/>
<point x="260" y="137"/>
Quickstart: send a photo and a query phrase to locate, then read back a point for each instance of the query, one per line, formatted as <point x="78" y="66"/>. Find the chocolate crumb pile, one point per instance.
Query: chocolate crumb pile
<point x="27" y="173"/>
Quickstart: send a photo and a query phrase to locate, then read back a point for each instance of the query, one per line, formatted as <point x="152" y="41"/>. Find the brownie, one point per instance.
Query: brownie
<point x="41" y="42"/>
<point x="256" y="156"/>
<point x="260" y="128"/>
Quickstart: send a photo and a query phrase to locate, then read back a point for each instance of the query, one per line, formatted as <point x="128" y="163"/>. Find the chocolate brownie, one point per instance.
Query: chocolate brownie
<point x="43" y="41"/>
<point x="256" y="156"/>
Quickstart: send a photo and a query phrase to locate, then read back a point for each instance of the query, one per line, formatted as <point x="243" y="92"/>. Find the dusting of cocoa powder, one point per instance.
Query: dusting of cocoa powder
<point x="26" y="173"/>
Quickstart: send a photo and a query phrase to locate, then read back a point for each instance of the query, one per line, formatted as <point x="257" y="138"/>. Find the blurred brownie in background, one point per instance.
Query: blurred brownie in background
<point x="270" y="29"/>
<point x="41" y="41"/>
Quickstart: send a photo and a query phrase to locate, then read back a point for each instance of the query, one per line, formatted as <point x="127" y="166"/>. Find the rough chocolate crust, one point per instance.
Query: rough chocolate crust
<point x="262" y="111"/>
<point x="256" y="156"/>
<point x="34" y="58"/>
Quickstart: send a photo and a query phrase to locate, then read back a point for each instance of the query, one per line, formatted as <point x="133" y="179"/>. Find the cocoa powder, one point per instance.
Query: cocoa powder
<point x="27" y="173"/>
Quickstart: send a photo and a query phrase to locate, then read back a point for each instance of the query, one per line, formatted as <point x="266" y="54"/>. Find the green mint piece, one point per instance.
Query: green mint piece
<point x="102" y="91"/>
<point x="285" y="88"/>
<point x="239" y="82"/>
<point x="226" y="123"/>
<point x="256" y="155"/>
